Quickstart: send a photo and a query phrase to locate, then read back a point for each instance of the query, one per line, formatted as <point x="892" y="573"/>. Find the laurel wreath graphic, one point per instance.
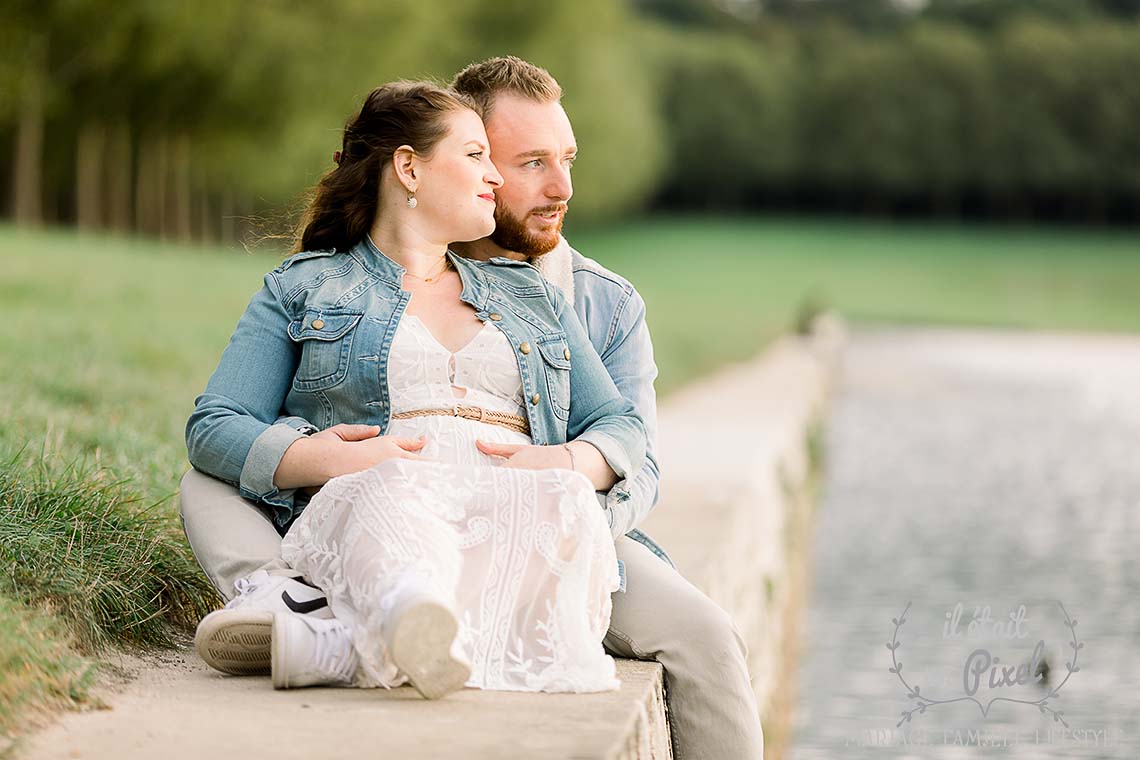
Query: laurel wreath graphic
<point x="922" y="702"/>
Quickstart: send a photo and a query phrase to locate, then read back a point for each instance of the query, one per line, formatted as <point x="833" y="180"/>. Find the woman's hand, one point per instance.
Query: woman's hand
<point x="340" y="450"/>
<point x="359" y="447"/>
<point x="528" y="457"/>
<point x="579" y="456"/>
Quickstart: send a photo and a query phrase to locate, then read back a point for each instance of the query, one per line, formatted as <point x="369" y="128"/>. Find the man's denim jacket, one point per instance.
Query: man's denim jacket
<point x="312" y="347"/>
<point x="613" y="314"/>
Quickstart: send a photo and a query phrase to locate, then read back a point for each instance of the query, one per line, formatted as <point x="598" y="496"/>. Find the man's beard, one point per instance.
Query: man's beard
<point x="511" y="232"/>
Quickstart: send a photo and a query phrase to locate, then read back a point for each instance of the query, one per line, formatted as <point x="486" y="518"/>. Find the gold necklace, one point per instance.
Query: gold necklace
<point x="434" y="277"/>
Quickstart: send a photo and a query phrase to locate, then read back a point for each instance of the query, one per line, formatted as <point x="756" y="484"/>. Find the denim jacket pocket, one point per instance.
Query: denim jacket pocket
<point x="556" y="356"/>
<point x="325" y="337"/>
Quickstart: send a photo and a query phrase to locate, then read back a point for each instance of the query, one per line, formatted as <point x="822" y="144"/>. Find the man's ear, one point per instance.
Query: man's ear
<point x="404" y="162"/>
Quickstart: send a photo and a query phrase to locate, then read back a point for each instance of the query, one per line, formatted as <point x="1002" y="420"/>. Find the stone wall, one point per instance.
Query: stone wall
<point x="738" y="454"/>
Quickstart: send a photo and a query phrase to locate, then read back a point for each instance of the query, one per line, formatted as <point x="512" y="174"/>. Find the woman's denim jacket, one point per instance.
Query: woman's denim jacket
<point x="312" y="346"/>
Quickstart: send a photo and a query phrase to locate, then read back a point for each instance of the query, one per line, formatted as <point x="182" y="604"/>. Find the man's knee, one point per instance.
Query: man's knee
<point x="705" y="627"/>
<point x="192" y="501"/>
<point x="230" y="536"/>
<point x="186" y="494"/>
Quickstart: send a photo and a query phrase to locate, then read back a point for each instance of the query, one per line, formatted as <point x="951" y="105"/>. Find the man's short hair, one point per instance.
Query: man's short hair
<point x="483" y="82"/>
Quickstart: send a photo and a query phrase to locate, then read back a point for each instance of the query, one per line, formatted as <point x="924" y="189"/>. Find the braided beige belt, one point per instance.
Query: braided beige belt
<point x="511" y="421"/>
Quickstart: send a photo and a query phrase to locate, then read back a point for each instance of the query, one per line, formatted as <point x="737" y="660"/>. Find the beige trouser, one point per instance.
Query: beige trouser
<point x="660" y="616"/>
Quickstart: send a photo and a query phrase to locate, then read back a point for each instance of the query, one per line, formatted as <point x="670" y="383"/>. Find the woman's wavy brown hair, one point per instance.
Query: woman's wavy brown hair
<point x="344" y="202"/>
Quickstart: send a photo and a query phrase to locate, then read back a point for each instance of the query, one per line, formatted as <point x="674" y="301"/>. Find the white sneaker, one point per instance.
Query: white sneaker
<point x="280" y="593"/>
<point x="420" y="634"/>
<point x="311" y="652"/>
<point x="236" y="638"/>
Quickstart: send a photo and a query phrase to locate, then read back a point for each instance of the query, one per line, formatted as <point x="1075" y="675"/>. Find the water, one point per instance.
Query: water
<point x="997" y="470"/>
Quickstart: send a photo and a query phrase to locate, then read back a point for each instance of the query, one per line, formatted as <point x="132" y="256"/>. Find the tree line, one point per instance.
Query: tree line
<point x="995" y="109"/>
<point x="182" y="119"/>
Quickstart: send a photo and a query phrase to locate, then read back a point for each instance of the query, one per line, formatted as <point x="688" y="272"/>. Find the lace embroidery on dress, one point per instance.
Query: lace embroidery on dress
<point x="525" y="556"/>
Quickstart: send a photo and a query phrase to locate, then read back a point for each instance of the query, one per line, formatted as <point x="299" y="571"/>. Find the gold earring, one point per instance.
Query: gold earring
<point x="412" y="202"/>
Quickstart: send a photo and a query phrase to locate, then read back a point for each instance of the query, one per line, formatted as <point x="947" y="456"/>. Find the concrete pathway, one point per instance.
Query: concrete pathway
<point x="180" y="709"/>
<point x="993" y="469"/>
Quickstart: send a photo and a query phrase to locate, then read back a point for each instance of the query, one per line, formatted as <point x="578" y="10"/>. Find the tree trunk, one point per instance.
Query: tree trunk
<point x="229" y="215"/>
<point x="245" y="230"/>
<point x="119" y="172"/>
<point x="162" y="185"/>
<point x="90" y="150"/>
<point x="206" y="227"/>
<point x="150" y="187"/>
<point x="141" y="191"/>
<point x="27" y="166"/>
<point x="144" y="191"/>
<point x="179" y="215"/>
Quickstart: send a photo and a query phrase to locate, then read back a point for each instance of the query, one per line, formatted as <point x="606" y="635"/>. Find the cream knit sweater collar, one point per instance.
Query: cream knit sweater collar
<point x="557" y="267"/>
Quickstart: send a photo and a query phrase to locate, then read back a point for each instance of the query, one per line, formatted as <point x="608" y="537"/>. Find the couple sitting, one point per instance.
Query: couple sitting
<point x="455" y="447"/>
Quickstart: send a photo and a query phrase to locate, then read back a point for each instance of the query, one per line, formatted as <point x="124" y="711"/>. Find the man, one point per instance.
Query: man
<point x="657" y="615"/>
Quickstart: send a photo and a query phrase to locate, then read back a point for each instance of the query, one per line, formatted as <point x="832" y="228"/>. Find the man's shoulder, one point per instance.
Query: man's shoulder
<point x="588" y="273"/>
<point x="614" y="309"/>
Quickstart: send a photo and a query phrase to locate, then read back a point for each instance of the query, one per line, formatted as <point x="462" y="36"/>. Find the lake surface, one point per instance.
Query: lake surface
<point x="995" y="470"/>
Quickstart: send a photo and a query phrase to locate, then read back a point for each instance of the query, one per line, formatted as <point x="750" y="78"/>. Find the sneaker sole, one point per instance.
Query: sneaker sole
<point x="421" y="648"/>
<point x="236" y="641"/>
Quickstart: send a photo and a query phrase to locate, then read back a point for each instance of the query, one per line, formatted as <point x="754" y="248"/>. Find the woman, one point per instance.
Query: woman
<point x="450" y="565"/>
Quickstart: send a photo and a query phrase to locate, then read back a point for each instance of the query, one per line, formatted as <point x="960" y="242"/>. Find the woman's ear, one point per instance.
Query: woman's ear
<point x="404" y="163"/>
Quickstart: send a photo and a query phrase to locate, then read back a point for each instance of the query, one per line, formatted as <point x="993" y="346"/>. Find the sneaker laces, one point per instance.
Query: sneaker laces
<point x="251" y="582"/>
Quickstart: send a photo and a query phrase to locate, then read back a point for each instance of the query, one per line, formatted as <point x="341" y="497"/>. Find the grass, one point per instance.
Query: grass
<point x="717" y="290"/>
<point x="112" y="568"/>
<point x="106" y="341"/>
<point x="84" y="565"/>
<point x="101" y="365"/>
<point x="38" y="667"/>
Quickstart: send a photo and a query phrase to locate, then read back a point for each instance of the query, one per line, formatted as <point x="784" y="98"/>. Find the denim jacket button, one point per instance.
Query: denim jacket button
<point x="566" y="353"/>
<point x="495" y="317"/>
<point x="535" y="399"/>
<point x="318" y="324"/>
<point x="524" y="347"/>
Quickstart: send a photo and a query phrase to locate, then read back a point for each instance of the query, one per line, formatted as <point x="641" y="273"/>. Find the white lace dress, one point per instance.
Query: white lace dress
<point x="526" y="555"/>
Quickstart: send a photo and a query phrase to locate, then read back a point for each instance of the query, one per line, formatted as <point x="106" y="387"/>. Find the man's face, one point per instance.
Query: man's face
<point x="532" y="145"/>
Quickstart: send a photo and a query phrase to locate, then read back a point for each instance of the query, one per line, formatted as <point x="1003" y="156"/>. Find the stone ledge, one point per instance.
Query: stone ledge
<point x="185" y="711"/>
<point x="729" y="517"/>
<point x="738" y="469"/>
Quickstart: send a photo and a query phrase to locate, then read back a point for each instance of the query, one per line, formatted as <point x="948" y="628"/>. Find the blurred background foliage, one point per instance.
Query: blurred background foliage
<point x="176" y="119"/>
<point x="199" y="123"/>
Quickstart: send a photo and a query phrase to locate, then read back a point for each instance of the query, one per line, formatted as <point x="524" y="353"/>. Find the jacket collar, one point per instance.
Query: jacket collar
<point x="375" y="262"/>
<point x="475" y="288"/>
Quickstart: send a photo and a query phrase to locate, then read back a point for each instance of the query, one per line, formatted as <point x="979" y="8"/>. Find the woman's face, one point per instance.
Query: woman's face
<point x="456" y="192"/>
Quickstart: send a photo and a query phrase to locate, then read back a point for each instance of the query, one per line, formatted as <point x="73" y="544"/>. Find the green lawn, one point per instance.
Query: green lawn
<point x="716" y="290"/>
<point x="106" y="341"/>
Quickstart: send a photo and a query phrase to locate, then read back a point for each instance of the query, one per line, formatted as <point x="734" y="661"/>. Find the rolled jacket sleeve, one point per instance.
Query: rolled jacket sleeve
<point x="261" y="463"/>
<point x="615" y="452"/>
<point x="233" y="433"/>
